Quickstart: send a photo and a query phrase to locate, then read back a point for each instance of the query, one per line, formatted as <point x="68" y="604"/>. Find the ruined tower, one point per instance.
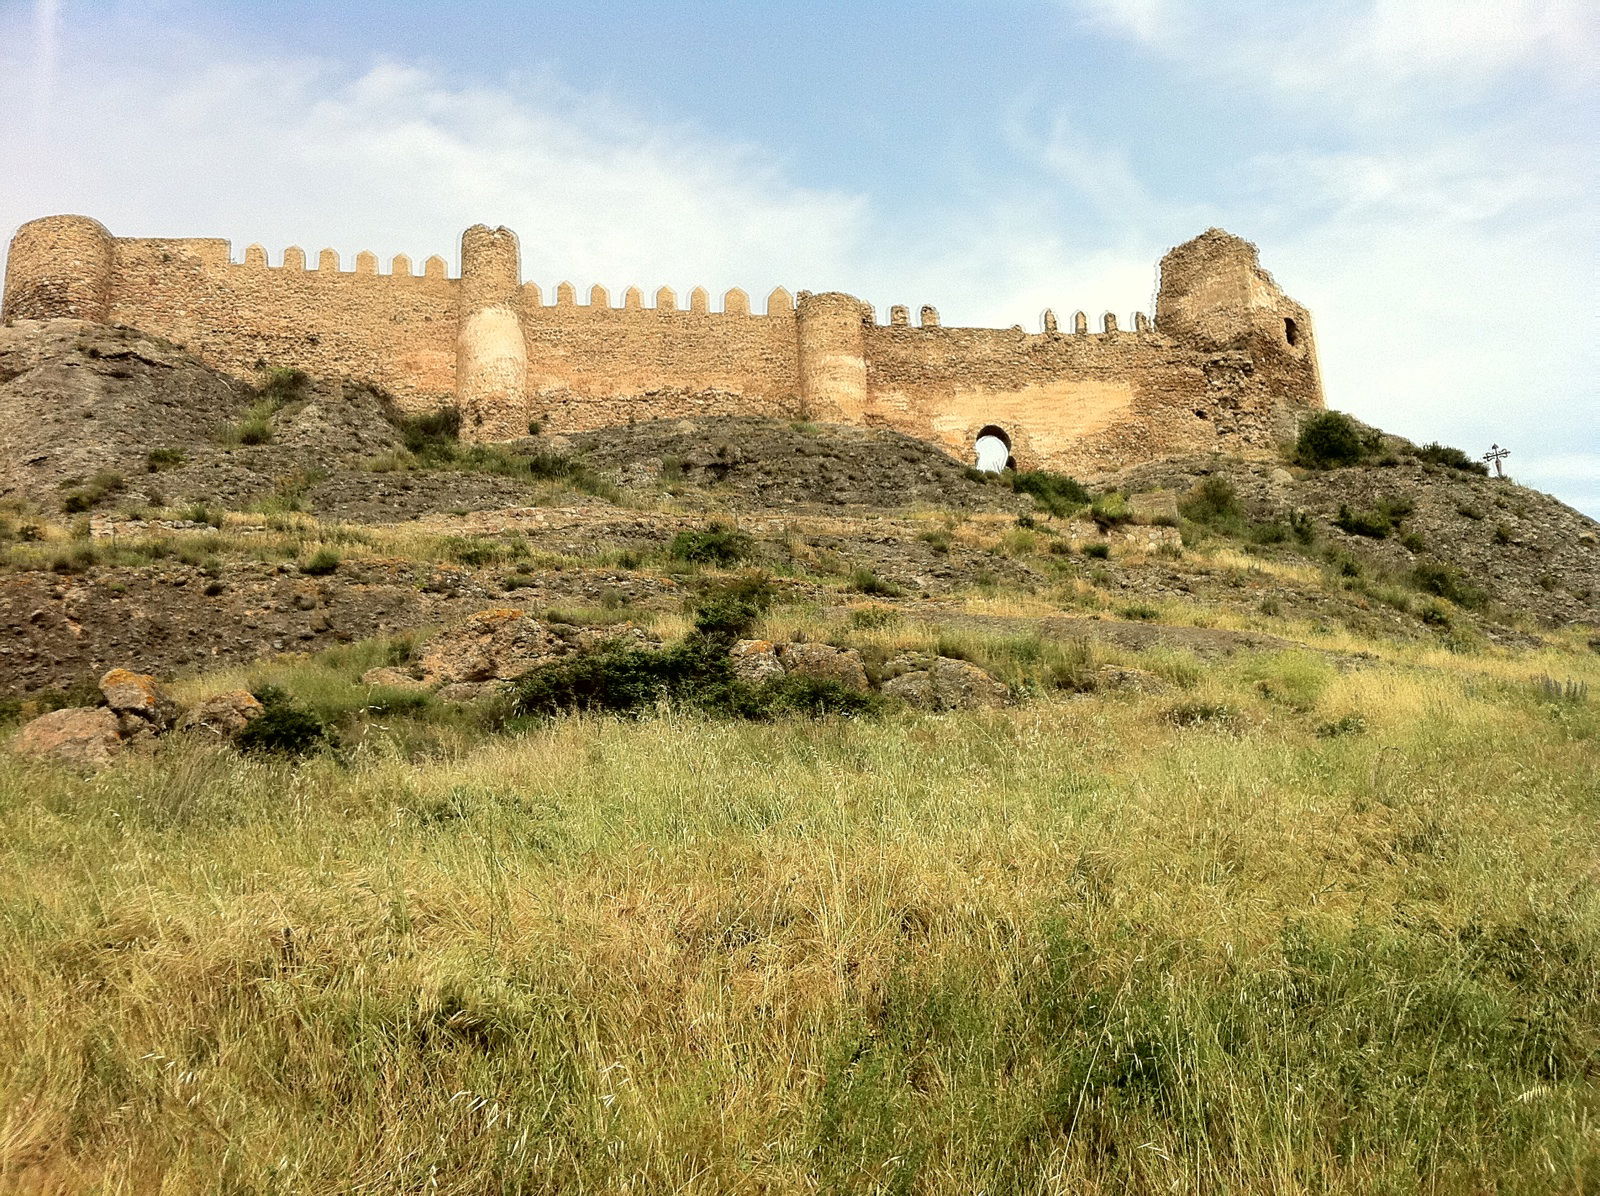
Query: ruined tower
<point x="60" y="266"/>
<point x="491" y="349"/>
<point x="832" y="353"/>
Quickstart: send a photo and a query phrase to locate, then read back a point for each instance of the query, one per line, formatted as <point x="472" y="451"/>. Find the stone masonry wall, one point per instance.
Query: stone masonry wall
<point x="1230" y="363"/>
<point x="1072" y="401"/>
<point x="594" y="365"/>
<point x="395" y="330"/>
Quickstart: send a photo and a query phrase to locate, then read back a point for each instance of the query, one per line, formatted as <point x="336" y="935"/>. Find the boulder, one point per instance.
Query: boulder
<point x="755" y="661"/>
<point x="137" y="696"/>
<point x="223" y="715"/>
<point x="82" y="736"/>
<point x="1119" y="677"/>
<point x="501" y="644"/>
<point x="493" y="645"/>
<point x="392" y="678"/>
<point x="825" y="663"/>
<point x="948" y="685"/>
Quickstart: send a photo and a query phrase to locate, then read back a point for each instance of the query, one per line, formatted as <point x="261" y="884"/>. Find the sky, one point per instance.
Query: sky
<point x="1419" y="173"/>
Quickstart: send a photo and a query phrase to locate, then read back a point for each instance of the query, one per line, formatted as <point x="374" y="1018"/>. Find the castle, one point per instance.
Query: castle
<point x="1228" y="363"/>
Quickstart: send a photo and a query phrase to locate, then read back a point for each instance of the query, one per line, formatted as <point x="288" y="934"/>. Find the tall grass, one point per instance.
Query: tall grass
<point x="1064" y="947"/>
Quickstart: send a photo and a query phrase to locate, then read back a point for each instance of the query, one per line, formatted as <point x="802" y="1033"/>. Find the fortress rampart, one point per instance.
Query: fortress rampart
<point x="1228" y="363"/>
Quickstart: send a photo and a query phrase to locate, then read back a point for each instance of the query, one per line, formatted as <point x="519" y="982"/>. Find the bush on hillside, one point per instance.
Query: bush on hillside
<point x="717" y="544"/>
<point x="1327" y="440"/>
<point x="1431" y="577"/>
<point x="282" y="728"/>
<point x="1055" y="493"/>
<point x="1213" y="500"/>
<point x="1452" y="458"/>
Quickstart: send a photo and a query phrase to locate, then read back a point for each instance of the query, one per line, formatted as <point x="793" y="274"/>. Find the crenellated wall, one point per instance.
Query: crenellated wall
<point x="1228" y="363"/>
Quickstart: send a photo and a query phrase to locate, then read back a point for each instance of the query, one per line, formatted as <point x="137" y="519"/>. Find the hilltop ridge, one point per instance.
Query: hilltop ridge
<point x="124" y="444"/>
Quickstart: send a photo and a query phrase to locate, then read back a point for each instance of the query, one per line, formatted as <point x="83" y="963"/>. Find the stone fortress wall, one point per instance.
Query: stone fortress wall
<point x="1228" y="363"/>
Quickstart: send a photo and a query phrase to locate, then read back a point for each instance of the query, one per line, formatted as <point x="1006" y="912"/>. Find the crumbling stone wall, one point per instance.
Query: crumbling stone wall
<point x="1229" y="363"/>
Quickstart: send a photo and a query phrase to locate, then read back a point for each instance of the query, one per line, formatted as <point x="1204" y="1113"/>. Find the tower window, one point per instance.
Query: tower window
<point x="1291" y="333"/>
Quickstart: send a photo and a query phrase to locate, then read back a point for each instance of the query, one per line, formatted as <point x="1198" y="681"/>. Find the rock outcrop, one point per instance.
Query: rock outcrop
<point x="944" y="684"/>
<point x="223" y="715"/>
<point x="824" y="662"/>
<point x="81" y="736"/>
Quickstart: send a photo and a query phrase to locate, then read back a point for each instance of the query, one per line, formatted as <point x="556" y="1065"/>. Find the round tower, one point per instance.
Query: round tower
<point x="491" y="352"/>
<point x="833" y="357"/>
<point x="60" y="266"/>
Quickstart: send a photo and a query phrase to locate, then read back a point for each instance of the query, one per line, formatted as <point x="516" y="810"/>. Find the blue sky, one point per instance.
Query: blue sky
<point x="1420" y="173"/>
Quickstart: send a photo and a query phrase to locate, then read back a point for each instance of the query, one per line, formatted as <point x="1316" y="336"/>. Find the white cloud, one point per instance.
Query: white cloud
<point x="397" y="159"/>
<point x="1363" y="53"/>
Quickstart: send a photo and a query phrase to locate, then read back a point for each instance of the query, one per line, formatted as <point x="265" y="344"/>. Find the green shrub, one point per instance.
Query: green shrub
<point x="629" y="680"/>
<point x="321" y="563"/>
<point x="718" y="544"/>
<point x="1372" y="524"/>
<point x="199" y="512"/>
<point x="814" y="697"/>
<point x="75" y="558"/>
<point x="1329" y="439"/>
<point x="939" y="541"/>
<point x="1055" y="493"/>
<point x="1431" y="577"/>
<point x="1213" y="500"/>
<point x="729" y="609"/>
<point x="282" y="727"/>
<point x="1350" y="724"/>
<point x="695" y="673"/>
<point x="475" y="551"/>
<point x="873" y="618"/>
<point x="431" y="435"/>
<point x="91" y="494"/>
<point x="864" y="581"/>
<point x="283" y="384"/>
<point x="1098" y="550"/>
<point x="254" y="429"/>
<point x="158" y="459"/>
<point x="1451" y="458"/>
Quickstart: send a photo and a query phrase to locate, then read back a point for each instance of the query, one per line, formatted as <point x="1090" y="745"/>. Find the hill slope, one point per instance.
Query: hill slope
<point x="751" y="807"/>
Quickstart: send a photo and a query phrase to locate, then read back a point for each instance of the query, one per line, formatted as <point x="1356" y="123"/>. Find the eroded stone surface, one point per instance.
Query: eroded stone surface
<point x="223" y="715"/>
<point x="755" y="661"/>
<point x="499" y="644"/>
<point x="83" y="736"/>
<point x="138" y="696"/>
<point x="825" y="663"/>
<point x="948" y="684"/>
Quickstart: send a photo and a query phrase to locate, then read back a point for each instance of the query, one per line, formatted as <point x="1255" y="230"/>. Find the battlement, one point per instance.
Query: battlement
<point x="1228" y="360"/>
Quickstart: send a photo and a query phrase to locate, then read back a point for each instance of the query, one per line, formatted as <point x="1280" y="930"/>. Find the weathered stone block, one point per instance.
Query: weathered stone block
<point x="84" y="737"/>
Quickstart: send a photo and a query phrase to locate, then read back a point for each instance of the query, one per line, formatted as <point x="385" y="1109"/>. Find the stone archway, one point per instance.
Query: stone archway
<point x="992" y="449"/>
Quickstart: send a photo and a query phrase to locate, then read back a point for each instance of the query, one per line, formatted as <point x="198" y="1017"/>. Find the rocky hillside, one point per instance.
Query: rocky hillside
<point x="161" y="515"/>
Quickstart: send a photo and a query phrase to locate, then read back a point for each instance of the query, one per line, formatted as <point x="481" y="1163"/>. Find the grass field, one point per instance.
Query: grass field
<point x="1285" y="929"/>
